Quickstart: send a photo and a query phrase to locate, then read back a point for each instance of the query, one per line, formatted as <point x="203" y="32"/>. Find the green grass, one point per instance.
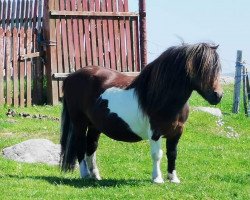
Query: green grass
<point x="210" y="165"/>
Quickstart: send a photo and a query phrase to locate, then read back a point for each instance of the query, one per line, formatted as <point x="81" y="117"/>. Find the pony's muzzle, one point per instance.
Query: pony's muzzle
<point x="216" y="97"/>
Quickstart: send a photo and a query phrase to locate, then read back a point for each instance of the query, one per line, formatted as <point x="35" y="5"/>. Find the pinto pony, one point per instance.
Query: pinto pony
<point x="151" y="106"/>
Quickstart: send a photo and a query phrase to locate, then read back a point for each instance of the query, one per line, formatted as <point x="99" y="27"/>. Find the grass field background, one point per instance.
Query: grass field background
<point x="212" y="163"/>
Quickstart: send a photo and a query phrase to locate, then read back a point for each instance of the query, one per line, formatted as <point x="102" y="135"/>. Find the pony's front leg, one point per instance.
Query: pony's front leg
<point x="171" y="156"/>
<point x="156" y="154"/>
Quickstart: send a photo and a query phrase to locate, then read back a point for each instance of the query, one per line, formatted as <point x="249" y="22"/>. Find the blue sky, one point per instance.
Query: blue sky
<point x="224" y="22"/>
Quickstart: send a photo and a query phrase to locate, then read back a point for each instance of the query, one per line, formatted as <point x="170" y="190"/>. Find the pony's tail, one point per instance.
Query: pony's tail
<point x="68" y="150"/>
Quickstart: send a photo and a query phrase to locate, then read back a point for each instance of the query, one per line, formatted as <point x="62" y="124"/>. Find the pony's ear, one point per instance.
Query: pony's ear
<point x="215" y="47"/>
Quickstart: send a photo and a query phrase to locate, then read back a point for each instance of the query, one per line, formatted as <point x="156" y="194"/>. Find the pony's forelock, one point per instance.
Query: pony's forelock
<point x="203" y="61"/>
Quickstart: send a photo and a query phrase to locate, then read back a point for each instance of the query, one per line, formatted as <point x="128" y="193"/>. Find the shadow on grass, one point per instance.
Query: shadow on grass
<point x="242" y="179"/>
<point x="80" y="183"/>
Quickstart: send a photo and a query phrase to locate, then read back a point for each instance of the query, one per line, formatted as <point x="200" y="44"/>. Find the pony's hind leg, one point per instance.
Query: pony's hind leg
<point x="79" y="129"/>
<point x="92" y="144"/>
<point x="81" y="146"/>
<point x="73" y="137"/>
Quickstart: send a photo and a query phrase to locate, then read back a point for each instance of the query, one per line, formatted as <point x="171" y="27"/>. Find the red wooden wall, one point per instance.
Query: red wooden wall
<point x="21" y="74"/>
<point x="41" y="38"/>
<point x="91" y="32"/>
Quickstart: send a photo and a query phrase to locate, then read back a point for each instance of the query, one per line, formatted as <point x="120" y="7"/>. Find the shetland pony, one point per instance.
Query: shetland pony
<point x="151" y="106"/>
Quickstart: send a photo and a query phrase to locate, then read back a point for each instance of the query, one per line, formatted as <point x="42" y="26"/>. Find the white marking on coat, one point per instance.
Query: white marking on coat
<point x="156" y="154"/>
<point x="125" y="104"/>
<point x="84" y="172"/>
<point x="92" y="166"/>
<point x="173" y="177"/>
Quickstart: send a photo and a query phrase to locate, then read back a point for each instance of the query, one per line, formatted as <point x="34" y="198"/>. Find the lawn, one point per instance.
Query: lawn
<point x="213" y="161"/>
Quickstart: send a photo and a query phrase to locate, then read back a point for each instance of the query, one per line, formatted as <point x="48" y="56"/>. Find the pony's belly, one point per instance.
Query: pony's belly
<point x="117" y="114"/>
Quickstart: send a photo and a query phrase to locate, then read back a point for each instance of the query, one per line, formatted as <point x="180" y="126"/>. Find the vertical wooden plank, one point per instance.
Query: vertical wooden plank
<point x="53" y="61"/>
<point x="237" y="83"/>
<point x="81" y="36"/>
<point x="99" y="35"/>
<point x="50" y="31"/>
<point x="37" y="94"/>
<point x="123" y="50"/>
<point x="111" y="36"/>
<point x="39" y="17"/>
<point x="4" y="13"/>
<point x="128" y="38"/>
<point x="22" y="66"/>
<point x="29" y="47"/>
<point x="18" y="11"/>
<point x="30" y="19"/>
<point x="59" y="48"/>
<point x="28" y="67"/>
<point x="93" y="34"/>
<point x="143" y="32"/>
<point x="1" y="66"/>
<point x="8" y="68"/>
<point x="26" y="18"/>
<point x="15" y="67"/>
<point x="8" y="14"/>
<point x="75" y="37"/>
<point x="117" y="37"/>
<point x="64" y="40"/>
<point x="34" y="14"/>
<point x="34" y="79"/>
<point x="105" y="36"/>
<point x="87" y="33"/>
<point x="22" y="14"/>
<point x="135" y="45"/>
<point x="70" y="39"/>
<point x="1" y="12"/>
<point x="13" y="13"/>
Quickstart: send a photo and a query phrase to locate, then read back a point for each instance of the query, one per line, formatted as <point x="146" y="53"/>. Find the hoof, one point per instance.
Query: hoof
<point x="176" y="181"/>
<point x="92" y="177"/>
<point x="96" y="177"/>
<point x="172" y="177"/>
<point x="158" y="180"/>
<point x="87" y="176"/>
<point x="95" y="174"/>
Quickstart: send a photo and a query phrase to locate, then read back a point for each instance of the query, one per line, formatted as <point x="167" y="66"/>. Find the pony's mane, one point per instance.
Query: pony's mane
<point x="166" y="79"/>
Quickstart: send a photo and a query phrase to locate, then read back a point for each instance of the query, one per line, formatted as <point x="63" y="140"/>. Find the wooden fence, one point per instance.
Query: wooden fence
<point x="21" y="70"/>
<point x="73" y="34"/>
<point x="91" y="32"/>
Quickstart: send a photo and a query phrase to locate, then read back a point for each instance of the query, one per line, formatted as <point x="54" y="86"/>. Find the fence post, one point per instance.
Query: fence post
<point x="143" y="33"/>
<point x="248" y="93"/>
<point x="51" y="64"/>
<point x="237" y="82"/>
<point x="244" y="90"/>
